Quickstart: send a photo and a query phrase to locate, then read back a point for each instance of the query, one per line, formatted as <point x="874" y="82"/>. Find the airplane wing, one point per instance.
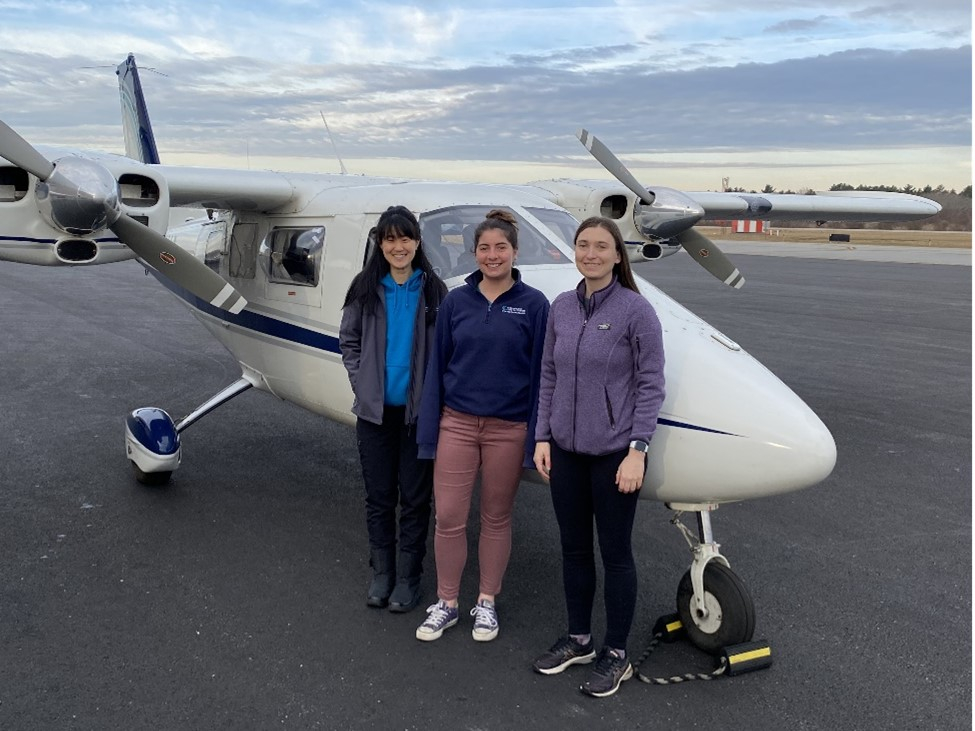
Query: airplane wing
<point x="242" y="190"/>
<point x="820" y="206"/>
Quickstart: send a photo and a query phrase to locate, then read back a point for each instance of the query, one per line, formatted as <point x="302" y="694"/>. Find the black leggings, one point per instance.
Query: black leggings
<point x="584" y="487"/>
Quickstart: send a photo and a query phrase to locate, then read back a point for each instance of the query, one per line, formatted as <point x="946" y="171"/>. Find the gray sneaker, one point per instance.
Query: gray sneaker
<point x="610" y="672"/>
<point x="565" y="652"/>
<point x="485" y="621"/>
<point x="439" y="617"/>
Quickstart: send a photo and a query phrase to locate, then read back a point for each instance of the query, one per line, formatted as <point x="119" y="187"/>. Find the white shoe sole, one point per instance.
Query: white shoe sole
<point x="626" y="676"/>
<point x="424" y="636"/>
<point x="484" y="636"/>
<point x="578" y="660"/>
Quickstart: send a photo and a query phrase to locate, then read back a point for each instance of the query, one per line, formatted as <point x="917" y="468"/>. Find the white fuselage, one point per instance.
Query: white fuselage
<point x="729" y="429"/>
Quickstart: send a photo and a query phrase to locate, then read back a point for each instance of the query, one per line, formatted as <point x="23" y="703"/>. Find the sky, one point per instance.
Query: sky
<point x="797" y="94"/>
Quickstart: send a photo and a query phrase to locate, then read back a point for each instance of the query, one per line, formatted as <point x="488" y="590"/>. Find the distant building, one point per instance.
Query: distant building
<point x="749" y="227"/>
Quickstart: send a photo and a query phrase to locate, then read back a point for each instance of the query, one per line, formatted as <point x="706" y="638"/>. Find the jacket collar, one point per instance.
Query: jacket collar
<point x="475" y="277"/>
<point x="598" y="297"/>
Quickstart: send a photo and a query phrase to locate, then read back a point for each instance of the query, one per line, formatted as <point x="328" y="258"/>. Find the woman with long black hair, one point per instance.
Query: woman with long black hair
<point x="387" y="331"/>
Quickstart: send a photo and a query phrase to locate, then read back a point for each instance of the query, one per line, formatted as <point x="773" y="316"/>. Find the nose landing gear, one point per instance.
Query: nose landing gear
<point x="713" y="603"/>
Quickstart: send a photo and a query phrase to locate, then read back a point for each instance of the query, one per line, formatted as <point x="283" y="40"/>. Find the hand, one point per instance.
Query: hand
<point x="629" y="476"/>
<point x="543" y="460"/>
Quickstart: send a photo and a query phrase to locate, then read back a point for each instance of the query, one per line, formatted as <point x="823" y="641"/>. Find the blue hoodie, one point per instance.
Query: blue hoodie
<point x="486" y="360"/>
<point x="401" y="304"/>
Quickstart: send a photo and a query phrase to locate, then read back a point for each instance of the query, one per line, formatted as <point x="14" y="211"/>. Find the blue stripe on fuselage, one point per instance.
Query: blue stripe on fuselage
<point x="692" y="427"/>
<point x="254" y="321"/>
<point x="32" y="240"/>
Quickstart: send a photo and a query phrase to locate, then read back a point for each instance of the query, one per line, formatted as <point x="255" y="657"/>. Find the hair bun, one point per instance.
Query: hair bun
<point x="503" y="215"/>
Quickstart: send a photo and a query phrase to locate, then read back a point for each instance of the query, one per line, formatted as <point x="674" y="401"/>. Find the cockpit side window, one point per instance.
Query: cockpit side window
<point x="448" y="235"/>
<point x="294" y="255"/>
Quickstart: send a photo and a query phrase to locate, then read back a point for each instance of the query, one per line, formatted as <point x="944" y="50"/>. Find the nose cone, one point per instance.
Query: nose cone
<point x="731" y="430"/>
<point x="80" y="197"/>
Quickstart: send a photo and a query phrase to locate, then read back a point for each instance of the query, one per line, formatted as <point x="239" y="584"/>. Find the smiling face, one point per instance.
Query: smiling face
<point x="495" y="255"/>
<point x="596" y="255"/>
<point x="399" y="250"/>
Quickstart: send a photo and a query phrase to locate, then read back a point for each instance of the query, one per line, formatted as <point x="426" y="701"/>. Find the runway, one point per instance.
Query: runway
<point x="234" y="598"/>
<point x="851" y="252"/>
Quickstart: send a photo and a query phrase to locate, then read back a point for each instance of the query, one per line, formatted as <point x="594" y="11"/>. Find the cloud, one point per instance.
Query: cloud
<point x="499" y="80"/>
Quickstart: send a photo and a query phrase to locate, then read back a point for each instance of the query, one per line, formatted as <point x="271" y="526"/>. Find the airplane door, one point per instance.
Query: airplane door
<point x="347" y="235"/>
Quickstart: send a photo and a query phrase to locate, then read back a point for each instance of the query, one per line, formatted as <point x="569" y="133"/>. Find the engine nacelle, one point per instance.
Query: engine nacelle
<point x="645" y="228"/>
<point x="48" y="225"/>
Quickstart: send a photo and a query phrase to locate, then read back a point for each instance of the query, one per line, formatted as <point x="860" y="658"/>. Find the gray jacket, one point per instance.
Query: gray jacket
<point x="362" y="340"/>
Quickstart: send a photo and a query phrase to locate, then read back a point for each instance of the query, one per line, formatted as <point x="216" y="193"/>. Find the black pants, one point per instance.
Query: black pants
<point x="583" y="488"/>
<point x="393" y="474"/>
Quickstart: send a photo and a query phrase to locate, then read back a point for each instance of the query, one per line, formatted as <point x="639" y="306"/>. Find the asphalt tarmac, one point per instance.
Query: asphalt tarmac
<point x="234" y="597"/>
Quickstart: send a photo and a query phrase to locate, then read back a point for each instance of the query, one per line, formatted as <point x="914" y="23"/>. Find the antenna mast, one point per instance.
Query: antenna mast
<point x="336" y="149"/>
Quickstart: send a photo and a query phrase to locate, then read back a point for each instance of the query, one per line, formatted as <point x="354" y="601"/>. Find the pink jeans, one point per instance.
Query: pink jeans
<point x="467" y="444"/>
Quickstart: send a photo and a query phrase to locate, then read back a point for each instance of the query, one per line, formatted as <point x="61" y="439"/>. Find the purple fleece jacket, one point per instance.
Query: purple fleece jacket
<point x="602" y="380"/>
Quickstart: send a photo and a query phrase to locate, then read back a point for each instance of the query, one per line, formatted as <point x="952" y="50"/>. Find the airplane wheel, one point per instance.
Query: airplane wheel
<point x="731" y="613"/>
<point x="154" y="479"/>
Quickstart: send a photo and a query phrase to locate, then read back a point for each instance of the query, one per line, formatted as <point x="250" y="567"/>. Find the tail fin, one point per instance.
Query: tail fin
<point x="140" y="144"/>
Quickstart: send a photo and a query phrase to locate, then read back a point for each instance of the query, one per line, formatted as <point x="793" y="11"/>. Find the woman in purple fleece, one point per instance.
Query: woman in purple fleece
<point x="601" y="389"/>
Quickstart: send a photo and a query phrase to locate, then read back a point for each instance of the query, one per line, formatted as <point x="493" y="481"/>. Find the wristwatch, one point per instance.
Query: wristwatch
<point x="640" y="446"/>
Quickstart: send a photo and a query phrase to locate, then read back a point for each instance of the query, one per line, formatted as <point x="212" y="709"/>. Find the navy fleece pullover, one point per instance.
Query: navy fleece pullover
<point x="486" y="360"/>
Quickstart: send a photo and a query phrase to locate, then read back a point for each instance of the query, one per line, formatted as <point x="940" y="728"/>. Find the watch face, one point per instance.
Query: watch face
<point x="639" y="445"/>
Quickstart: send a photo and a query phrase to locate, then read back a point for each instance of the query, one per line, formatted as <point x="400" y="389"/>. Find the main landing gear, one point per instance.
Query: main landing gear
<point x="713" y="604"/>
<point x="152" y="437"/>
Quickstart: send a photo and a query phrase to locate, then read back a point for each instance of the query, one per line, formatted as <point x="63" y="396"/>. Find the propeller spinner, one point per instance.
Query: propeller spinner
<point x="80" y="196"/>
<point x="653" y="206"/>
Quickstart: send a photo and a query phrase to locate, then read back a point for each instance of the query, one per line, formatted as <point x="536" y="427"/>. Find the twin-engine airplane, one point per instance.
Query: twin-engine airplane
<point x="267" y="270"/>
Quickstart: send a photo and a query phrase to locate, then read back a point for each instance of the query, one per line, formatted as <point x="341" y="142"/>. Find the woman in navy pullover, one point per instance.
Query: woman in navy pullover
<point x="478" y="415"/>
<point x="601" y="390"/>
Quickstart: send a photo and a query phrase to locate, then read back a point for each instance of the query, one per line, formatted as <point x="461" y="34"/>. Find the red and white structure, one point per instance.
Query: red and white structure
<point x="749" y="227"/>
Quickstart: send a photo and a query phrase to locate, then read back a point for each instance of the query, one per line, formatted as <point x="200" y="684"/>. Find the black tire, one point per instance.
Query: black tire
<point x="153" y="479"/>
<point x="731" y="617"/>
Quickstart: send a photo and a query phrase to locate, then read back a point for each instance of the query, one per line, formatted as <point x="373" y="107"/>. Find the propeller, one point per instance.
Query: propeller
<point x="699" y="246"/>
<point x="18" y="151"/>
<point x="83" y="198"/>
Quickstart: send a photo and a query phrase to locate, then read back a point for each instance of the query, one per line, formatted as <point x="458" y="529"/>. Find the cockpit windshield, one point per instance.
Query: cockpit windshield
<point x="448" y="237"/>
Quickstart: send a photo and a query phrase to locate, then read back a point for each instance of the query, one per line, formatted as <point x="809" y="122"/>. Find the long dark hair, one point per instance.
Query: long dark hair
<point x="398" y="221"/>
<point x="622" y="270"/>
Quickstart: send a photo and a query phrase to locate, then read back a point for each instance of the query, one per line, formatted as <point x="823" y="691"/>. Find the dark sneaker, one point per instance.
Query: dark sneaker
<point x="610" y="671"/>
<point x="566" y="651"/>
<point x="439" y="617"/>
<point x="485" y="621"/>
<point x="406" y="595"/>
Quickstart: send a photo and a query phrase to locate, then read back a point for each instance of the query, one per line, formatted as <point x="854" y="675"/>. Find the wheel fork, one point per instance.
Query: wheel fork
<point x="703" y="547"/>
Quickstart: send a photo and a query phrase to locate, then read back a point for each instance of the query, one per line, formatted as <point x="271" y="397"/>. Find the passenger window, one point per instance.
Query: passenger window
<point x="293" y="255"/>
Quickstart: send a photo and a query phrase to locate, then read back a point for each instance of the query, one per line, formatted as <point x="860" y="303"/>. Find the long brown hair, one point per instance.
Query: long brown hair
<point x="621" y="270"/>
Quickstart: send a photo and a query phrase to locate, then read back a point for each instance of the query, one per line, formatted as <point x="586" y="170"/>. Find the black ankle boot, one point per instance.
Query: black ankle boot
<point x="384" y="574"/>
<point x="407" y="593"/>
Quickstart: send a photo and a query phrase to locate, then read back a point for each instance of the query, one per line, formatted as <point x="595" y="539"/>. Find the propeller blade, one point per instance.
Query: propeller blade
<point x="19" y="151"/>
<point x="609" y="161"/>
<point x="709" y="256"/>
<point x="178" y="265"/>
